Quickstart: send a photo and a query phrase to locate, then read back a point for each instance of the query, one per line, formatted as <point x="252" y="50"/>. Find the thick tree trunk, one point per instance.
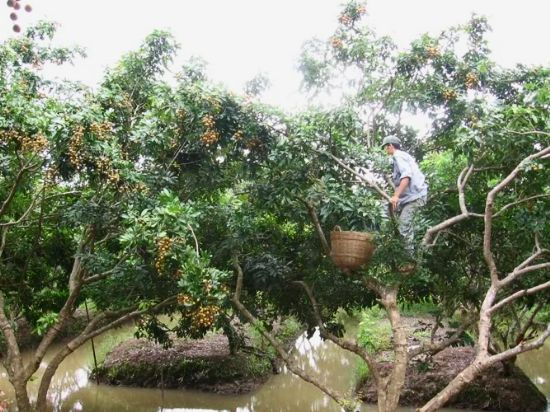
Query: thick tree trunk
<point x="45" y="381"/>
<point x="389" y="390"/>
<point x="456" y="385"/>
<point x="13" y="361"/>
<point x="21" y="395"/>
<point x="92" y="330"/>
<point x="382" y="397"/>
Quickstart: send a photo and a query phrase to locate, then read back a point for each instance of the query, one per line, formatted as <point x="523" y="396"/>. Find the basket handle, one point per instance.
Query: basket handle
<point x="337" y="228"/>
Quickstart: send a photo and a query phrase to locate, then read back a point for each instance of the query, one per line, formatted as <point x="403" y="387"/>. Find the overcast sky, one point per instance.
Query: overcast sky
<point x="240" y="38"/>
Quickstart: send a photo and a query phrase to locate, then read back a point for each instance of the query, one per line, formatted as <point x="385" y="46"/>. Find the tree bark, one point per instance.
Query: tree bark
<point x="13" y="361"/>
<point x="21" y="394"/>
<point x="389" y="390"/>
<point x="91" y="331"/>
<point x="456" y="385"/>
<point x="68" y="309"/>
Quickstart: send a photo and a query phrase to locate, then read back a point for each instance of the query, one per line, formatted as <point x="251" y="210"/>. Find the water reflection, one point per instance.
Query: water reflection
<point x="72" y="391"/>
<point x="536" y="365"/>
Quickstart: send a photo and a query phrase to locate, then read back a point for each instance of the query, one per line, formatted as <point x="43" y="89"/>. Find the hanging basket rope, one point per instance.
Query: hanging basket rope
<point x="350" y="250"/>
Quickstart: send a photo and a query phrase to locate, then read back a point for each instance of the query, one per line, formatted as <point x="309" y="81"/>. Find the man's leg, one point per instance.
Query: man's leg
<point x="406" y="218"/>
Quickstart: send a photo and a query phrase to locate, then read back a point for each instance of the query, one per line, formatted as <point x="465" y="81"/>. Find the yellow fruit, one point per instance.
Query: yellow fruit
<point x="432" y="52"/>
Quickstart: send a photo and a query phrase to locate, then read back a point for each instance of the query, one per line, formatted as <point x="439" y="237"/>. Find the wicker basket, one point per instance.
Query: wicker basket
<point x="350" y="250"/>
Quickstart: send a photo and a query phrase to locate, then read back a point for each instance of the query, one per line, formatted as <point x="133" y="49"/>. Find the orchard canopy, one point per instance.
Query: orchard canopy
<point x="148" y="194"/>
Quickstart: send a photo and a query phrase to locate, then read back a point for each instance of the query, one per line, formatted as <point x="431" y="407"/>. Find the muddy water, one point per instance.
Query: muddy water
<point x="71" y="389"/>
<point x="536" y="365"/>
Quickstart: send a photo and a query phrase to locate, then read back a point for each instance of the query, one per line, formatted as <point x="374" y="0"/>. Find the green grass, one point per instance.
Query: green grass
<point x="425" y="306"/>
<point x="362" y="371"/>
<point x="374" y="332"/>
<point x="111" y="339"/>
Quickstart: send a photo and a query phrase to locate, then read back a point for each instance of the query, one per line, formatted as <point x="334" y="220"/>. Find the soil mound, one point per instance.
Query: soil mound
<point x="201" y="364"/>
<point x="496" y="389"/>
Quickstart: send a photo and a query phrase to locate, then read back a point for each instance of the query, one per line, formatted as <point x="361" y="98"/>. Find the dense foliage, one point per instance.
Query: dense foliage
<point x="140" y="196"/>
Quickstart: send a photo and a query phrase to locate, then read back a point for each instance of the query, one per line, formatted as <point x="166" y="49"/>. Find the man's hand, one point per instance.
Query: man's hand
<point x="398" y="190"/>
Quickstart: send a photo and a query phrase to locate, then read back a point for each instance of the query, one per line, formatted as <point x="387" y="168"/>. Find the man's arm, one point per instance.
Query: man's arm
<point x="403" y="183"/>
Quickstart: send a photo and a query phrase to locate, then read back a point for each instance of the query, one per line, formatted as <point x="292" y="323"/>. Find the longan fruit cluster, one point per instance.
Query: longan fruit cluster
<point x="163" y="246"/>
<point x="215" y="102"/>
<point x="336" y="42"/>
<point x="473" y="120"/>
<point x="185" y="300"/>
<point x="113" y="176"/>
<point x="141" y="187"/>
<point x="75" y="146"/>
<point x="208" y="121"/>
<point x="205" y="316"/>
<point x="252" y="144"/>
<point x="103" y="165"/>
<point x="449" y="94"/>
<point x="432" y="52"/>
<point x="9" y="135"/>
<point x="238" y="135"/>
<point x="101" y="130"/>
<point x="16" y="6"/>
<point x="34" y="144"/>
<point x="181" y="114"/>
<point x="350" y="15"/>
<point x="211" y="135"/>
<point x="471" y="80"/>
<point x="207" y="285"/>
<point x="133" y="187"/>
<point x="345" y="19"/>
<point x="50" y="174"/>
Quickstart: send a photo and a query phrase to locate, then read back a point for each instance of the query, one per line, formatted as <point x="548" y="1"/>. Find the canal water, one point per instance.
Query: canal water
<point x="72" y="390"/>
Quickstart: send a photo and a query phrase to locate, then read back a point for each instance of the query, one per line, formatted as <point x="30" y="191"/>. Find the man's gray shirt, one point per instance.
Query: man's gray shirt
<point x="404" y="165"/>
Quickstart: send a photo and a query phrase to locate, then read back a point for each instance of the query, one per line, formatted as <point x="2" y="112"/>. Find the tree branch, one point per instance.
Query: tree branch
<point x="509" y="205"/>
<point x="14" y="187"/>
<point x="89" y="332"/>
<point x="461" y="184"/>
<point x="13" y="360"/>
<point x="72" y="192"/>
<point x="489" y="205"/>
<point x="428" y="239"/>
<point x="461" y="181"/>
<point x="336" y="396"/>
<point x="519" y="294"/>
<point x="539" y="252"/>
<point x="343" y="343"/>
<point x="369" y="182"/>
<point x="4" y="232"/>
<point x="433" y="348"/>
<point x="372" y="284"/>
<point x="196" y="241"/>
<point x="522" y="347"/>
<point x="518" y="273"/>
<point x="317" y="225"/>
<point x="75" y="284"/>
<point x="527" y="132"/>
<point x="107" y="273"/>
<point x="26" y="213"/>
<point x="523" y="331"/>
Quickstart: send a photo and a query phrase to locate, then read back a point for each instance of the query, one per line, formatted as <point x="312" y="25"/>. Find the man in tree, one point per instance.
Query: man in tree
<point x="411" y="189"/>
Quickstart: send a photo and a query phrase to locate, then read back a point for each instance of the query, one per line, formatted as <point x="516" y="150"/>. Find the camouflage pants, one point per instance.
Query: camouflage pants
<point x="407" y="213"/>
